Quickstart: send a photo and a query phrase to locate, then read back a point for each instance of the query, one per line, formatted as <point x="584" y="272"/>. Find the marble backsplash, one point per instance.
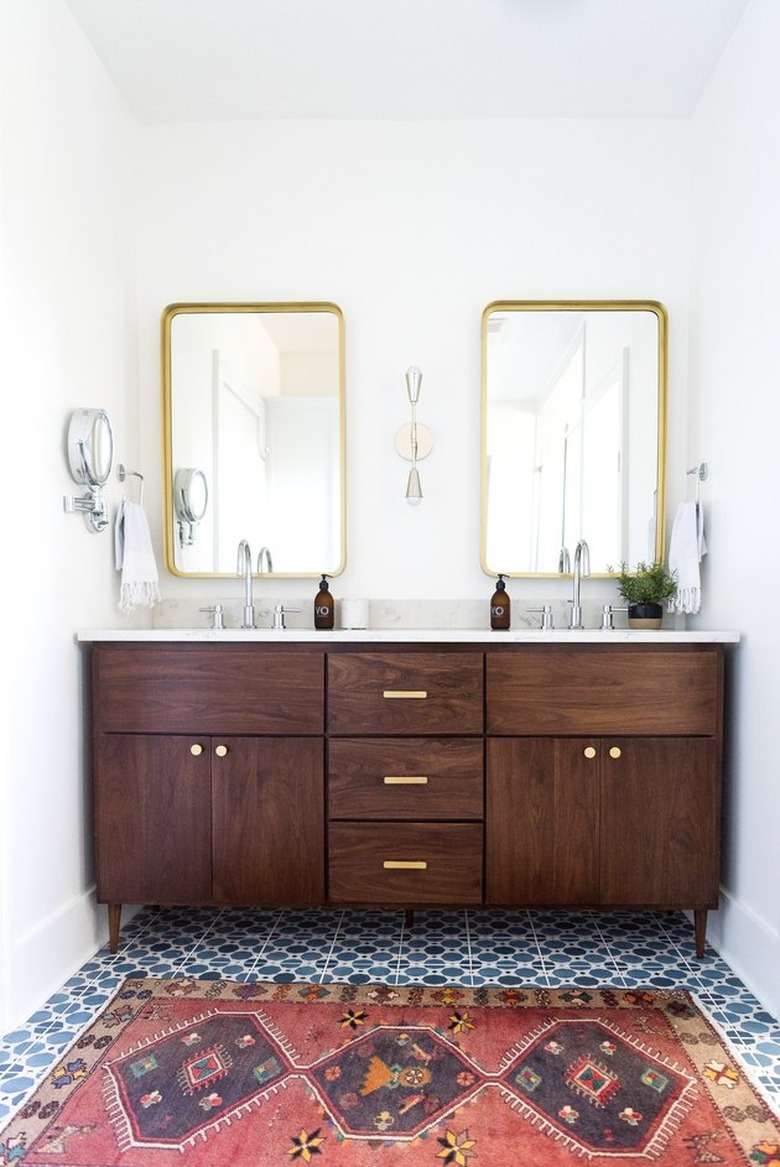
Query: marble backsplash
<point x="388" y="614"/>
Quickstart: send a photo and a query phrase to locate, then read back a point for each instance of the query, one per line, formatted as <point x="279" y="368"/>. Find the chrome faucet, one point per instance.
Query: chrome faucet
<point x="581" y="567"/>
<point x="244" y="567"/>
<point x="264" y="560"/>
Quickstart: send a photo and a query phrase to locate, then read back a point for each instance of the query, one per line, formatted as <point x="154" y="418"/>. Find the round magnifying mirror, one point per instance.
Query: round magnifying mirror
<point x="90" y="447"/>
<point x="190" y="494"/>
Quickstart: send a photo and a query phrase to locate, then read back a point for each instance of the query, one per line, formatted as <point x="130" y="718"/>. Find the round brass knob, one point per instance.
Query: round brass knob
<point x="614" y="751"/>
<point x="196" y="749"/>
<point x="589" y="751"/>
<point x="221" y="751"/>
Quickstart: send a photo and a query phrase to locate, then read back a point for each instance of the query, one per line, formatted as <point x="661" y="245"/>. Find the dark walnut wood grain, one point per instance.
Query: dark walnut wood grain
<point x="543" y="775"/>
<point x="555" y="690"/>
<point x="451" y="852"/>
<point x="358" y="685"/>
<point x="639" y="829"/>
<point x="208" y="688"/>
<point x="405" y="778"/>
<point x="202" y="793"/>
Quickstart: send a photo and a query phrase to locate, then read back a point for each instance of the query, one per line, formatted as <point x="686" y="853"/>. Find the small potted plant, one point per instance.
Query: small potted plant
<point x="645" y="590"/>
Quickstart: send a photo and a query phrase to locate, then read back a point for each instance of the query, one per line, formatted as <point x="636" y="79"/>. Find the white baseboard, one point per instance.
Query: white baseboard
<point x="46" y="955"/>
<point x="750" y="945"/>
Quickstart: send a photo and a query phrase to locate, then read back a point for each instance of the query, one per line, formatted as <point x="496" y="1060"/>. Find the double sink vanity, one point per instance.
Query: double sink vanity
<point x="408" y="769"/>
<point x="439" y="769"/>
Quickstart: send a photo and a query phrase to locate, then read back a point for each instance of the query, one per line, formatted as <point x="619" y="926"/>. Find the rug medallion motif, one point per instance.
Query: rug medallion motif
<point x="218" y="1074"/>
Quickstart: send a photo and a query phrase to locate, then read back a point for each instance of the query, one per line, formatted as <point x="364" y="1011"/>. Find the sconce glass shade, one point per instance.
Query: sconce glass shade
<point x="413" y="382"/>
<point x="414" y="488"/>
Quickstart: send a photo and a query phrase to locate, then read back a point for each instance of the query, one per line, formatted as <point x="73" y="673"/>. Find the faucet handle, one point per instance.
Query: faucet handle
<point x="547" y="616"/>
<point x="279" y="613"/>
<point x="607" y="612"/>
<point x="217" y="620"/>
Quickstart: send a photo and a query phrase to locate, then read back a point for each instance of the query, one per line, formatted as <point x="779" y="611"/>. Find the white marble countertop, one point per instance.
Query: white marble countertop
<point x="406" y="636"/>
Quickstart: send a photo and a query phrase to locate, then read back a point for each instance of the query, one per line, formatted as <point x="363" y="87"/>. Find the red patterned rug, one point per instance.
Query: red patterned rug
<point x="225" y="1074"/>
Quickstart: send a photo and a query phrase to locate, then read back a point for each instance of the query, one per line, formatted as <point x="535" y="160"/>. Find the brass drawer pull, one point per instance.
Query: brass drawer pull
<point x="405" y="779"/>
<point x="405" y="865"/>
<point x="615" y="752"/>
<point x="410" y="694"/>
<point x="589" y="752"/>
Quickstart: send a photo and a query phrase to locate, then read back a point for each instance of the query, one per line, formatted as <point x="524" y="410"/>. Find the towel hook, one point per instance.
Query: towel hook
<point x="122" y="473"/>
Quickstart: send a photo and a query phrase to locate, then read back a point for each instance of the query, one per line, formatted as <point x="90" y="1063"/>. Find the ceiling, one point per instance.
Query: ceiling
<point x="227" y="60"/>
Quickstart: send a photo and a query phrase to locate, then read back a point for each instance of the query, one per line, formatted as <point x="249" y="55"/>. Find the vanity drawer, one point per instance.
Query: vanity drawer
<point x="208" y="688"/>
<point x="557" y="690"/>
<point x="405" y="863"/>
<point x="405" y="778"/>
<point x="405" y="693"/>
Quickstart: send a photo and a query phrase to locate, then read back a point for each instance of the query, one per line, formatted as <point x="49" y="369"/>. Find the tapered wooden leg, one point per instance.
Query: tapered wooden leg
<point x="409" y="918"/>
<point x="114" y="921"/>
<point x="700" y="926"/>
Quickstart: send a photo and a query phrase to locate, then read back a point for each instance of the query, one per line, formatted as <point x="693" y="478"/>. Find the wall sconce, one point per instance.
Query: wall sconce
<point x="90" y="448"/>
<point x="414" y="441"/>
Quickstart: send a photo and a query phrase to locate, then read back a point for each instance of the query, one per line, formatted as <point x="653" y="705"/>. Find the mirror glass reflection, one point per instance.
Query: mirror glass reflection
<point x="254" y="397"/>
<point x="573" y="397"/>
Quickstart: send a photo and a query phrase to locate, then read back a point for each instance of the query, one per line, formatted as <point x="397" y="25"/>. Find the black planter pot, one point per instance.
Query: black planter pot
<point x="647" y="616"/>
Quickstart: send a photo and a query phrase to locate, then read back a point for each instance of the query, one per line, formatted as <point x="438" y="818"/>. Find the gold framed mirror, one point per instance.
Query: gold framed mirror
<point x="253" y="396"/>
<point x="573" y="434"/>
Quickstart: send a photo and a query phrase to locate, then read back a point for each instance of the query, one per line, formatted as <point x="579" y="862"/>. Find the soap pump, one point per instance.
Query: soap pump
<point x="323" y="606"/>
<point x="500" y="613"/>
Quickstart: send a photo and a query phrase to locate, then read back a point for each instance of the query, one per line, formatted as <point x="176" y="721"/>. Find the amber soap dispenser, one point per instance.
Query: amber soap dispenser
<point x="323" y="606"/>
<point x="500" y="607"/>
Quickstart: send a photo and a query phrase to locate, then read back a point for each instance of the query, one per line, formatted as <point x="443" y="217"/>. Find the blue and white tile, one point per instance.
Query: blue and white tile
<point x="478" y="947"/>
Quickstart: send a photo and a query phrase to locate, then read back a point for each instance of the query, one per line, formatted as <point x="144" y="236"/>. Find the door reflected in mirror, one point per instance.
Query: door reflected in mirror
<point x="574" y="409"/>
<point x="253" y="395"/>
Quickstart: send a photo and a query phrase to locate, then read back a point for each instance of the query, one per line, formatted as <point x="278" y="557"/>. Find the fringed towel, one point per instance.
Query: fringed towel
<point x="686" y="549"/>
<point x="134" y="557"/>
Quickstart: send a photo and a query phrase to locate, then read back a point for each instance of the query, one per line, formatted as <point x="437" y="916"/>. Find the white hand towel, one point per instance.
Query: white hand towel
<point x="134" y="557"/>
<point x="686" y="548"/>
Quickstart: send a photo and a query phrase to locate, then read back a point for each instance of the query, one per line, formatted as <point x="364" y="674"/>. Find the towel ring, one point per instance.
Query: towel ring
<point x="122" y="473"/>
<point x="701" y="471"/>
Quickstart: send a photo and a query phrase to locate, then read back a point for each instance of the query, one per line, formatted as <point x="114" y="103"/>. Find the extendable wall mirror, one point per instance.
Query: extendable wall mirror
<point x="90" y="451"/>
<point x="190" y="499"/>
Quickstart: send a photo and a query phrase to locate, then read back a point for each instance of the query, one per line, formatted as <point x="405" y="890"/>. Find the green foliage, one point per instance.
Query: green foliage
<point x="648" y="583"/>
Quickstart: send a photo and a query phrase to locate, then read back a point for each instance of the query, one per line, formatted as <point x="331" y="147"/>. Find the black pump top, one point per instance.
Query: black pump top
<point x="500" y="585"/>
<point x="324" y="584"/>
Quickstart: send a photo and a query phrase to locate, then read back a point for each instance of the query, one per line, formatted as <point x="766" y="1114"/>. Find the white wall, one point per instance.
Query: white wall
<point x="734" y="424"/>
<point x="412" y="229"/>
<point x="69" y="340"/>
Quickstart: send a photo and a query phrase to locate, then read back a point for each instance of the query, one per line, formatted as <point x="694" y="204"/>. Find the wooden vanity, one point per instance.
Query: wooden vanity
<point x="474" y="772"/>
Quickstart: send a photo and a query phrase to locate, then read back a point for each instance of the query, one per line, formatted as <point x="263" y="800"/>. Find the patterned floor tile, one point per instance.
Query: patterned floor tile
<point x="436" y="948"/>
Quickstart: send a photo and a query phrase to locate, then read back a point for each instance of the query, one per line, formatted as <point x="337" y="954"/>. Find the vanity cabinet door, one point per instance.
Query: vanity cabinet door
<point x="660" y="822"/>
<point x="181" y="819"/>
<point x="541" y="822"/>
<point x="268" y="821"/>
<point x="610" y="822"/>
<point x="152" y="819"/>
